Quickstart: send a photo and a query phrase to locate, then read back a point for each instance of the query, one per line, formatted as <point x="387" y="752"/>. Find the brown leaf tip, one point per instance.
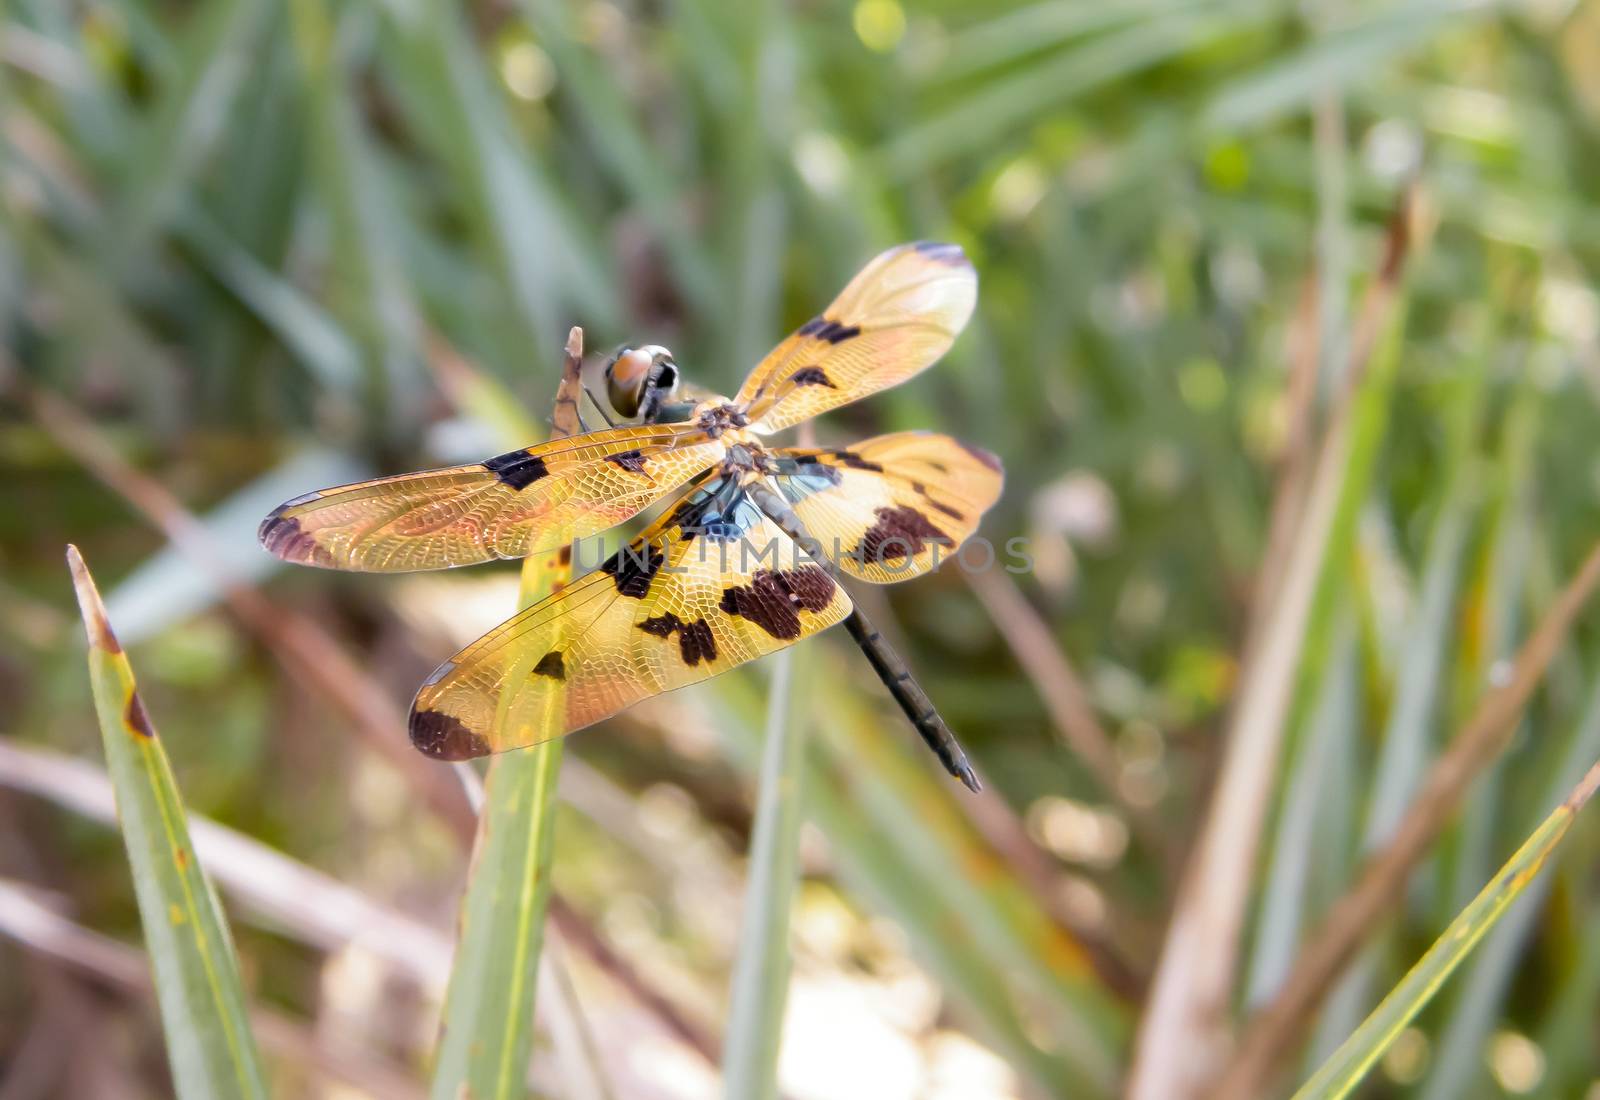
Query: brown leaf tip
<point x="1585" y="789"/>
<point x="444" y="737"/>
<point x="95" y="622"/>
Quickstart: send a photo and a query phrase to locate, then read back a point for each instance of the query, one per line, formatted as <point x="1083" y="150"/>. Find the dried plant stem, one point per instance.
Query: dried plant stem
<point x="1361" y="910"/>
<point x="1184" y="1030"/>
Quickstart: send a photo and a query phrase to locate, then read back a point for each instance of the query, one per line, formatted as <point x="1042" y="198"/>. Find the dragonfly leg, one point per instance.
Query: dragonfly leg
<point x="599" y="408"/>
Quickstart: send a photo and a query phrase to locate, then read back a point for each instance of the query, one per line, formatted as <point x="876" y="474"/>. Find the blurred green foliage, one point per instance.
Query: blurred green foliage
<point x="242" y="235"/>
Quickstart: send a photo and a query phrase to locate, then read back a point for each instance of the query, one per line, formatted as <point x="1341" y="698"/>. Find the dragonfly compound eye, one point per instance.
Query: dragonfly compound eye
<point x="626" y="375"/>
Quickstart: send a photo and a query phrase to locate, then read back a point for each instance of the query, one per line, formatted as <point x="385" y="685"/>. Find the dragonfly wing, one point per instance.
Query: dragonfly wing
<point x="711" y="585"/>
<point x="891" y="508"/>
<point x="511" y="506"/>
<point x="897" y="316"/>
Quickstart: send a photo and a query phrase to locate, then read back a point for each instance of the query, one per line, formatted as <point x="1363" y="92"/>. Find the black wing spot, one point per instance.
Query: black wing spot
<point x="661" y="626"/>
<point x="443" y="736"/>
<point x="284" y="538"/>
<point x="831" y="331"/>
<point x="634" y="567"/>
<point x="856" y="462"/>
<point x="551" y="665"/>
<point x="773" y="600"/>
<point x="900" y="532"/>
<point x="696" y="643"/>
<point x="518" y="469"/>
<point x="812" y="376"/>
<point x="632" y="461"/>
<point x="695" y="640"/>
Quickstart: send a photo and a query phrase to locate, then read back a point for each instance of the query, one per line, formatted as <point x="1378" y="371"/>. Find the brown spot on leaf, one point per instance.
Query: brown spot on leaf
<point x="104" y="637"/>
<point x="444" y="737"/>
<point x="136" y="718"/>
<point x="180" y="856"/>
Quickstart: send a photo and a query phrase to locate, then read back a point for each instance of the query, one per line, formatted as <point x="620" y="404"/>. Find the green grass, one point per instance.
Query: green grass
<point x="249" y="242"/>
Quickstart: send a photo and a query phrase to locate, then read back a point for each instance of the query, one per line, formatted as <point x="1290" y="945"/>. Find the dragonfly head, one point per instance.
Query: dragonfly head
<point x="639" y="380"/>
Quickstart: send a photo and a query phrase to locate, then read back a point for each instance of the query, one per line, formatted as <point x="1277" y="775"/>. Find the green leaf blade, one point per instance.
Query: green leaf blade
<point x="1342" y="1072"/>
<point x="761" y="968"/>
<point x="487" y="1033"/>
<point x="209" y="1042"/>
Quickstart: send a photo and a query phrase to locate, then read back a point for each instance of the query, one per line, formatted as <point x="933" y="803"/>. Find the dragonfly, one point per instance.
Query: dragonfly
<point x="747" y="556"/>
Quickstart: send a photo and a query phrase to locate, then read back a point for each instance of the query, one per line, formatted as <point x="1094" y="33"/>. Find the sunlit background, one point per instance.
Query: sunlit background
<point x="249" y="249"/>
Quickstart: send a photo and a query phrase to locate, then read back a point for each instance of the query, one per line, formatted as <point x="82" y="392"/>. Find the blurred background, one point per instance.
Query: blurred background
<point x="249" y="249"/>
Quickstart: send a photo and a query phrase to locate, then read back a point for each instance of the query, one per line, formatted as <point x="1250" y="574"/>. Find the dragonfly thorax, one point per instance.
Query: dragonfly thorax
<point x="717" y="415"/>
<point x="746" y="455"/>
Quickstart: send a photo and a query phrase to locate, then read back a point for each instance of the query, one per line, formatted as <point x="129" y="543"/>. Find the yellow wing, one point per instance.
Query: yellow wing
<point x="511" y="506"/>
<point x="893" y="507"/>
<point x="709" y="586"/>
<point x="897" y="316"/>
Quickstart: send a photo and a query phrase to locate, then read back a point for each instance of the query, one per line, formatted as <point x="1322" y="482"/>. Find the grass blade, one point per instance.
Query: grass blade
<point x="203" y="1014"/>
<point x="1338" y="57"/>
<point x="1487" y="981"/>
<point x="186" y="122"/>
<point x="488" y="1018"/>
<point x="1301" y="835"/>
<point x="1282" y="664"/>
<point x="1351" y="920"/>
<point x="761" y="969"/>
<point x="1340" y="1074"/>
<point x="537" y="249"/>
<point x="897" y="834"/>
<point x="1008" y="103"/>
